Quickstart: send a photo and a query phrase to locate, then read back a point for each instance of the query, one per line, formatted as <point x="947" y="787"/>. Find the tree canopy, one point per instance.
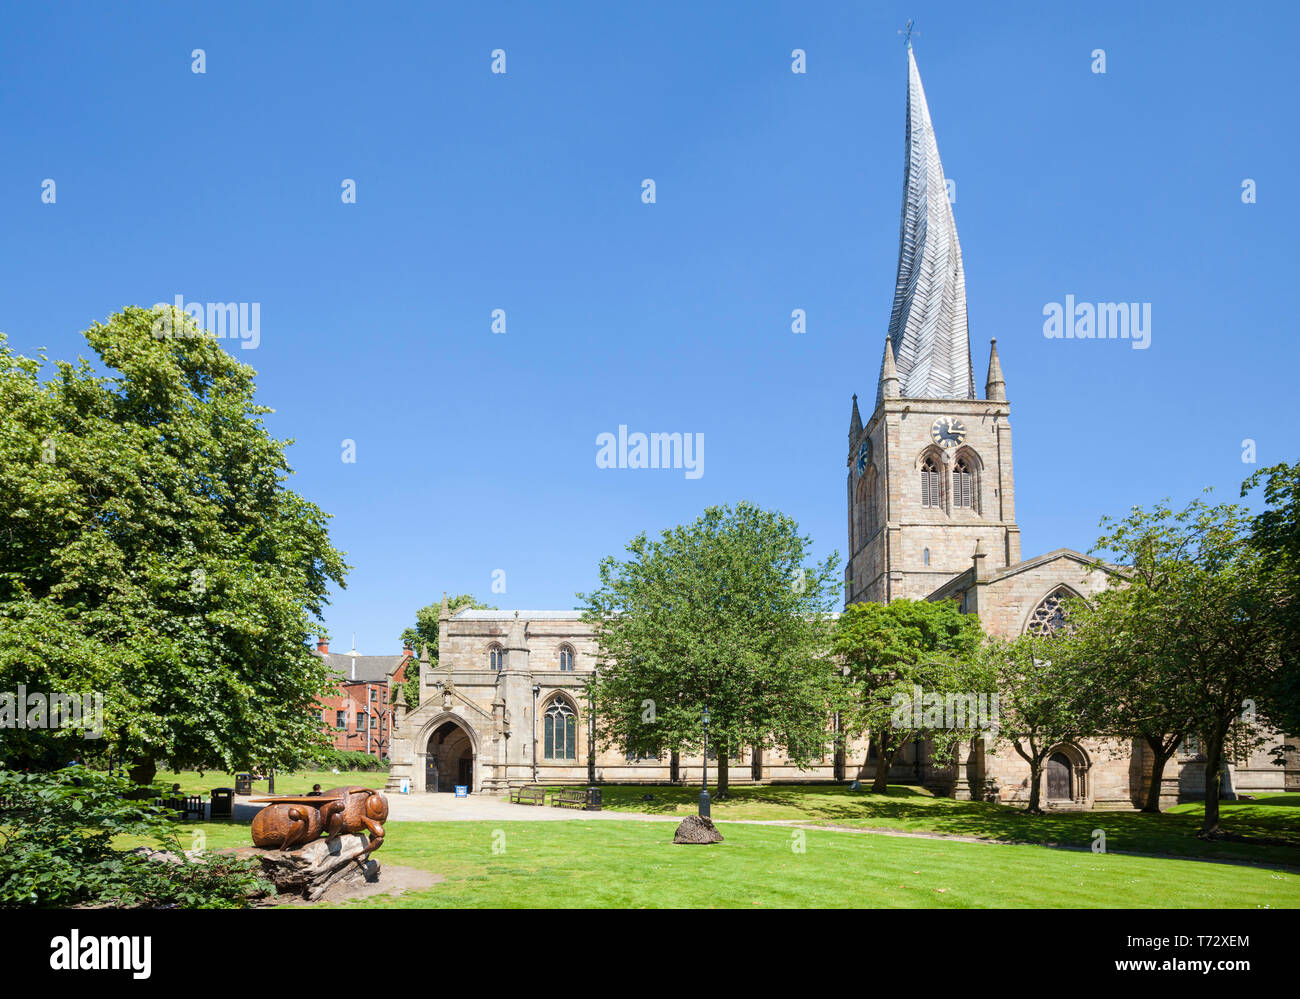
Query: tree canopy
<point x="151" y="551"/>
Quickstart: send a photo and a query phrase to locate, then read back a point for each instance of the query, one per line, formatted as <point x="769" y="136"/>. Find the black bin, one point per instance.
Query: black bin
<point x="244" y="784"/>
<point x="593" y="799"/>
<point x="223" y="803"/>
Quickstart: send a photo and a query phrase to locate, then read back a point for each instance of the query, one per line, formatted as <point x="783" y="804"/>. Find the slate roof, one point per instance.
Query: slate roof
<point x="369" y="669"/>
<point x="927" y="325"/>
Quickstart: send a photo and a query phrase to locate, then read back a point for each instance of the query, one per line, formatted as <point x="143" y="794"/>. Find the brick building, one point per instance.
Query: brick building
<point x="359" y="717"/>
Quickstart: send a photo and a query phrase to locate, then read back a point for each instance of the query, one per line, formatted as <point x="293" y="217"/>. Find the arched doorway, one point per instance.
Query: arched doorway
<point x="1060" y="778"/>
<point x="449" y="758"/>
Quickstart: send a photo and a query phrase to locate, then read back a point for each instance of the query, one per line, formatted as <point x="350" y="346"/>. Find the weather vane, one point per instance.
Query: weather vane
<point x="907" y="33"/>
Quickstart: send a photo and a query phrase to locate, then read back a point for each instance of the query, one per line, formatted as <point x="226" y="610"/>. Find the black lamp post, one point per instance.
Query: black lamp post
<point x="704" y="770"/>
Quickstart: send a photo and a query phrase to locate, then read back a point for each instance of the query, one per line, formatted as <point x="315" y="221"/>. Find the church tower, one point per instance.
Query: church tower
<point x="930" y="471"/>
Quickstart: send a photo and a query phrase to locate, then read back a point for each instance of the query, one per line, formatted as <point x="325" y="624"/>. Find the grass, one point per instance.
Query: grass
<point x="300" y="783"/>
<point x="910" y="809"/>
<point x="633" y="864"/>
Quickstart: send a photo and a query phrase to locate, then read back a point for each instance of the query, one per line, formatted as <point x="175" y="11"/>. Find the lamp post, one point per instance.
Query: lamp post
<point x="704" y="770"/>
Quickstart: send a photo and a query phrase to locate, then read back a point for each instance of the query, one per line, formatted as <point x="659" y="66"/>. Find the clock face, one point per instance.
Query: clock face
<point x="864" y="456"/>
<point x="948" y="431"/>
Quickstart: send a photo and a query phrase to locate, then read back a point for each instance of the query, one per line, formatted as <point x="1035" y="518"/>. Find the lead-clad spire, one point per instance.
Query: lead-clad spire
<point x="927" y="326"/>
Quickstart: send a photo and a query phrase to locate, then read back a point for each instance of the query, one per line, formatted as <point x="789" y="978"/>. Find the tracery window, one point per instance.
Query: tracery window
<point x="496" y="657"/>
<point x="560" y="732"/>
<point x="930" y="492"/>
<point x="566" y="659"/>
<point x="1049" y="616"/>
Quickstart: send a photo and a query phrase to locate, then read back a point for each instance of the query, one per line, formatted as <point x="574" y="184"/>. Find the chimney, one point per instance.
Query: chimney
<point x="323" y="647"/>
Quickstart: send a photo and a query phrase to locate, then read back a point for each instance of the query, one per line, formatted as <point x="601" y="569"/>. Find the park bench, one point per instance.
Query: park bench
<point x="530" y="795"/>
<point x="183" y="807"/>
<point x="569" y="797"/>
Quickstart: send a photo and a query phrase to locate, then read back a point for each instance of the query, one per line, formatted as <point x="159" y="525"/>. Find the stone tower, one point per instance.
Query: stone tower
<point x="930" y="471"/>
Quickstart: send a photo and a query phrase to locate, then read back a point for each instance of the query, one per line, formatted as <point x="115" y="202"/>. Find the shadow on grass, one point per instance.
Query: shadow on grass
<point x="915" y="810"/>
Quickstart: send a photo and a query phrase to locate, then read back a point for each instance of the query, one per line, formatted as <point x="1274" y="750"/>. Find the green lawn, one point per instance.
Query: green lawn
<point x="192" y="783"/>
<point x="916" y="810"/>
<point x="633" y="864"/>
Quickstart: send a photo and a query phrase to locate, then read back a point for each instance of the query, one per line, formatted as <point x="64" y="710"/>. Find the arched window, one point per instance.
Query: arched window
<point x="864" y="507"/>
<point x="496" y="657"/>
<point x="963" y="484"/>
<point x="930" y="490"/>
<point x="560" y="732"/>
<point x="925" y="557"/>
<point x="1049" y="616"/>
<point x="566" y="658"/>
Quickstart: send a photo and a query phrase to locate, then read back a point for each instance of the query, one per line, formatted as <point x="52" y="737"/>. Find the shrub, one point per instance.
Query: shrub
<point x="56" y="835"/>
<point x="348" y="760"/>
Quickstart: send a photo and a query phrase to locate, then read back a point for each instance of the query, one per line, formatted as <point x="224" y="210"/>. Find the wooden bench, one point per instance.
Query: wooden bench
<point x="533" y="794"/>
<point x="569" y="797"/>
<point x="183" y="807"/>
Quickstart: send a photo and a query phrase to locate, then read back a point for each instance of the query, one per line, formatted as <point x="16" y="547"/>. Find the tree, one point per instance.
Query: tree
<point x="1126" y="652"/>
<point x="1214" y="604"/>
<point x="424" y="636"/>
<point x="725" y="612"/>
<point x="1040" y="702"/>
<point x="1275" y="533"/>
<point x="894" y="650"/>
<point x="150" y="551"/>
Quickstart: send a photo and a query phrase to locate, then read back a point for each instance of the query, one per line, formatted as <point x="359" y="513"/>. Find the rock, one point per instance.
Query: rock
<point x="313" y="869"/>
<point x="696" y="829"/>
<point x="162" y="856"/>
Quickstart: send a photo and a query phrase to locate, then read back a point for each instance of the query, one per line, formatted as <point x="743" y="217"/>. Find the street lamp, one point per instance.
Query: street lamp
<point x="704" y="770"/>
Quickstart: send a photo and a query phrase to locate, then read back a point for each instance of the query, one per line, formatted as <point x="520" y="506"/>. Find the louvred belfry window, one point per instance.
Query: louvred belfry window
<point x="929" y="483"/>
<point x="961" y="484"/>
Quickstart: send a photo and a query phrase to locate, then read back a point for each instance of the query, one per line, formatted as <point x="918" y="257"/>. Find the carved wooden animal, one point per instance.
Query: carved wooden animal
<point x="289" y="821"/>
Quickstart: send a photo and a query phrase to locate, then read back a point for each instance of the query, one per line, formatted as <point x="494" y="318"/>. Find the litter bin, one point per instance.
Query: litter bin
<point x="223" y="803"/>
<point x="593" y="799"/>
<point x="244" y="784"/>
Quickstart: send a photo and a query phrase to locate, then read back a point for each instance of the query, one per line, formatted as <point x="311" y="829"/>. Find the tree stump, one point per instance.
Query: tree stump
<point x="697" y="829"/>
<point x="314" y="868"/>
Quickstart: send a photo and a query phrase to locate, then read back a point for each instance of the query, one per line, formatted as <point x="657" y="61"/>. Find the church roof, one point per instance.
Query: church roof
<point x="927" y="325"/>
<point x="524" y="615"/>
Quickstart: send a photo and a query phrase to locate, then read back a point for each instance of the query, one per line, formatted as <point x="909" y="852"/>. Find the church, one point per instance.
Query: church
<point x="930" y="495"/>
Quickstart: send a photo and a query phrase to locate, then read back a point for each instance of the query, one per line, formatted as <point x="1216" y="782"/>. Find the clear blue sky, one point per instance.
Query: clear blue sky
<point x="776" y="191"/>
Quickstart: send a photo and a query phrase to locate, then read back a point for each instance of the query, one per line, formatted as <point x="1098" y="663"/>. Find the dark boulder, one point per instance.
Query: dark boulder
<point x="695" y="829"/>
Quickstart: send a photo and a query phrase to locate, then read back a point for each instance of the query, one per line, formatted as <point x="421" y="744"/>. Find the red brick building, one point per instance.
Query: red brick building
<point x="359" y="717"/>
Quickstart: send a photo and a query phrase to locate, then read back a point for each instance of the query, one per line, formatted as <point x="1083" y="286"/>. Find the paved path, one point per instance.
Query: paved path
<point x="446" y="807"/>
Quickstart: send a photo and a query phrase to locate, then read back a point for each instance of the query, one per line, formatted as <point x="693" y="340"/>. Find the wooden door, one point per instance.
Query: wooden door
<point x="1059" y="778"/>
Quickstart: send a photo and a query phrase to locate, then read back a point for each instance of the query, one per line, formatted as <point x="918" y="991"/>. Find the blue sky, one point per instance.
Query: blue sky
<point x="477" y="191"/>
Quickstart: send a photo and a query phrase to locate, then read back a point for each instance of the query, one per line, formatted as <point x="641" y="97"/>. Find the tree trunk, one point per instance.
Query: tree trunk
<point x="1035" y="786"/>
<point x="722" y="773"/>
<point x="1159" y="758"/>
<point x="884" y="763"/>
<point x="142" y="773"/>
<point x="1213" y="759"/>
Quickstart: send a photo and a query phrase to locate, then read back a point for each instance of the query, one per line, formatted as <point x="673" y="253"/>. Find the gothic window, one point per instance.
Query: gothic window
<point x="1049" y="616"/>
<point x="864" y="507"/>
<point x="560" y="732"/>
<point x="925" y="556"/>
<point x="566" y="659"/>
<point x="962" y="483"/>
<point x="496" y="657"/>
<point x="930" y="492"/>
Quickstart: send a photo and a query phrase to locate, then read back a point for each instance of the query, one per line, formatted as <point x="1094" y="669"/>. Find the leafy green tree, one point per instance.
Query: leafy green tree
<point x="1275" y="533"/>
<point x="725" y="612"/>
<point x="424" y="636"/>
<point x="150" y="550"/>
<point x="1215" y="604"/>
<point x="892" y="651"/>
